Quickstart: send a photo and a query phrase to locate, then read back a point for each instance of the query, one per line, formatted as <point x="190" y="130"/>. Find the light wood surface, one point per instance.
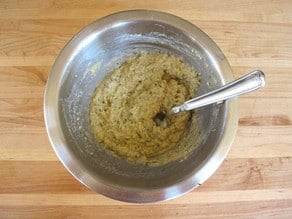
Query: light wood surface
<point x="255" y="181"/>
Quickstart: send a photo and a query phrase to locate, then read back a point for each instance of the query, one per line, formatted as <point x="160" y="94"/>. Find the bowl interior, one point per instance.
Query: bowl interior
<point x="103" y="51"/>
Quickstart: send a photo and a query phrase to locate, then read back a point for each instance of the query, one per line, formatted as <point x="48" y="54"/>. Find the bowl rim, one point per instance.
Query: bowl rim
<point x="57" y="138"/>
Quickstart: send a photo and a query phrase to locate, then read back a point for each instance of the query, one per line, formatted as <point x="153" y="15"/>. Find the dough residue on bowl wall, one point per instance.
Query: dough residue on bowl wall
<point x="130" y="109"/>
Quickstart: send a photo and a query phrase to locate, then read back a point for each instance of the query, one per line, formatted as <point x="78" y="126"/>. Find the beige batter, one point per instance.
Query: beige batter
<point x="129" y="111"/>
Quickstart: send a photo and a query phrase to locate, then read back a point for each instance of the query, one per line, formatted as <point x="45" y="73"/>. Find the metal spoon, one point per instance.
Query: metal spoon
<point x="245" y="84"/>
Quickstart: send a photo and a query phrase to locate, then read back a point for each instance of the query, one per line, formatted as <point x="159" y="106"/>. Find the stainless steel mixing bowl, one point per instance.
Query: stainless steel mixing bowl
<point x="86" y="60"/>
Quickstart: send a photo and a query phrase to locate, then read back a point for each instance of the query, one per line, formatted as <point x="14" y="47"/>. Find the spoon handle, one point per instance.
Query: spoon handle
<point x="245" y="84"/>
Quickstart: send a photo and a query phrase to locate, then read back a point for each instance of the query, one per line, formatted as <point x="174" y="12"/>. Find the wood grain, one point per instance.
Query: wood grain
<point x="254" y="181"/>
<point x="240" y="209"/>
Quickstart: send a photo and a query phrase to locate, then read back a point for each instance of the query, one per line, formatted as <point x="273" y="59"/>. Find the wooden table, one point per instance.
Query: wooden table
<point x="255" y="181"/>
